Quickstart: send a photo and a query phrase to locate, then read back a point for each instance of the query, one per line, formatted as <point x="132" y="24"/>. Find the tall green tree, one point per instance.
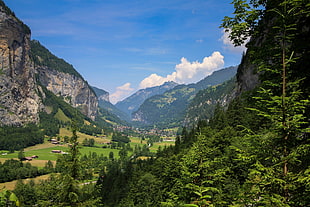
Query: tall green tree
<point x="69" y="191"/>
<point x="280" y="98"/>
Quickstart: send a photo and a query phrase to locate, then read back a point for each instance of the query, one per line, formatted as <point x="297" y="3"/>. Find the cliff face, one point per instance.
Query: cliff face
<point x="74" y="90"/>
<point x="19" y="102"/>
<point x="101" y="94"/>
<point x="247" y="76"/>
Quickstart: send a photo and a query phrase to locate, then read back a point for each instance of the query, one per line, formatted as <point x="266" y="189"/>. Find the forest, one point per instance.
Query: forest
<point x="254" y="152"/>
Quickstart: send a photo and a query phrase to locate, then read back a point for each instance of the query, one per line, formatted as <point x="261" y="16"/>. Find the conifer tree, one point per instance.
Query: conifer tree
<point x="280" y="97"/>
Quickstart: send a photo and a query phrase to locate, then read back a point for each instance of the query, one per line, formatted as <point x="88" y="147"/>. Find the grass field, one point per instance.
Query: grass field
<point x="156" y="145"/>
<point x="46" y="154"/>
<point x="43" y="151"/>
<point x="66" y="132"/>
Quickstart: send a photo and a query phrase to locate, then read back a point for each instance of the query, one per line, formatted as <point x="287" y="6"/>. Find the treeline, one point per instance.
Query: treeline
<point x="232" y="160"/>
<point x="50" y="124"/>
<point x="15" y="138"/>
<point x="15" y="170"/>
<point x="203" y="104"/>
<point x="254" y="153"/>
<point x="8" y="11"/>
<point x="119" y="137"/>
<point x="43" y="57"/>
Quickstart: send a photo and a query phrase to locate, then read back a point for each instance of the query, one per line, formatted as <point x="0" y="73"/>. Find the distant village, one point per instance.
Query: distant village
<point x="165" y="134"/>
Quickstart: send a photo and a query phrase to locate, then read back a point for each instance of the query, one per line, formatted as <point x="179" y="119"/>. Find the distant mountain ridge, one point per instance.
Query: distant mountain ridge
<point x="133" y="102"/>
<point x="101" y="94"/>
<point x="169" y="109"/>
<point x="203" y="105"/>
<point x="105" y="105"/>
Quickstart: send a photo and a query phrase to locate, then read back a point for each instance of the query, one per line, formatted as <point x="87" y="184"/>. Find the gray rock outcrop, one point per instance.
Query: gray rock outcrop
<point x="19" y="101"/>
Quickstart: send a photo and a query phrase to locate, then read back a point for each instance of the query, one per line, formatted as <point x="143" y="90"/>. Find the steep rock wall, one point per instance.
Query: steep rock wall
<point x="19" y="102"/>
<point x="74" y="90"/>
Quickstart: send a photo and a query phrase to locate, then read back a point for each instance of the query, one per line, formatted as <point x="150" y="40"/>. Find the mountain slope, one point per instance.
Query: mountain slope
<point x="27" y="69"/>
<point x="168" y="109"/>
<point x="107" y="110"/>
<point x="133" y="102"/>
<point x="203" y="105"/>
<point x="62" y="79"/>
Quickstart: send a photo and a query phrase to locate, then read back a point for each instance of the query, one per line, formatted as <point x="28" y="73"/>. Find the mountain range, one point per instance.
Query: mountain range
<point x="133" y="102"/>
<point x="35" y="83"/>
<point x="169" y="108"/>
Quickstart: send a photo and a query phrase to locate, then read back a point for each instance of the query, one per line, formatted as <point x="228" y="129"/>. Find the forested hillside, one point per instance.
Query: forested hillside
<point x="169" y="109"/>
<point x="253" y="152"/>
<point x="133" y="102"/>
<point x="205" y="101"/>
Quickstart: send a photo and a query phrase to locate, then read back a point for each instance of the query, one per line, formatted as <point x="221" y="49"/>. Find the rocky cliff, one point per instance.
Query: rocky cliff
<point x="74" y="90"/>
<point x="19" y="102"/>
<point x="25" y="67"/>
<point x="62" y="79"/>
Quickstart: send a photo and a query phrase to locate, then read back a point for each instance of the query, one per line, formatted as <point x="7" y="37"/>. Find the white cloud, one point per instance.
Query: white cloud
<point x="187" y="72"/>
<point x="121" y="92"/>
<point x="228" y="45"/>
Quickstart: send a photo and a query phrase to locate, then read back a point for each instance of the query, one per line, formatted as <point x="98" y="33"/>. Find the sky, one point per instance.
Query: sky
<point x="122" y="46"/>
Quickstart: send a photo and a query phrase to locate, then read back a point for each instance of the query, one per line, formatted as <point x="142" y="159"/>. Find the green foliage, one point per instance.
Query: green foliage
<point x="8" y="198"/>
<point x="204" y="103"/>
<point x="247" y="16"/>
<point x="119" y="137"/>
<point x="88" y="142"/>
<point x="15" y="138"/>
<point x="60" y="115"/>
<point x="43" y="57"/>
<point x="14" y="169"/>
<point x="8" y="11"/>
<point x="255" y="152"/>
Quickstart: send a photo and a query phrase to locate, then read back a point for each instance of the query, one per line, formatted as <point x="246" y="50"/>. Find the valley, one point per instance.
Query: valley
<point x="234" y="136"/>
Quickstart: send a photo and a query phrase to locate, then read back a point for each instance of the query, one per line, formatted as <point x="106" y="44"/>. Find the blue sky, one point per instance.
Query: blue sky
<point x="122" y="46"/>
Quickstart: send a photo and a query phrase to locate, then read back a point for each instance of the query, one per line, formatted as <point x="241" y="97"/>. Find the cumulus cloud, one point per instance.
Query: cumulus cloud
<point x="121" y="92"/>
<point x="228" y="45"/>
<point x="187" y="72"/>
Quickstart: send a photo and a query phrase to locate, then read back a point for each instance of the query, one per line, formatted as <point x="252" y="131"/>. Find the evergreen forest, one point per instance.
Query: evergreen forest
<point x="253" y="152"/>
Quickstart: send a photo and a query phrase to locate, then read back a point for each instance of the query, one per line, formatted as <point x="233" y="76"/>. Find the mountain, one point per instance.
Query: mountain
<point x="133" y="102"/>
<point x="101" y="94"/>
<point x="19" y="101"/>
<point x="63" y="80"/>
<point x="168" y="109"/>
<point x="29" y="72"/>
<point x="107" y="110"/>
<point x="203" y="105"/>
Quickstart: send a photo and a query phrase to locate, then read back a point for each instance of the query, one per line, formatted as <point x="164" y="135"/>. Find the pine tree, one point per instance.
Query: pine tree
<point x="280" y="99"/>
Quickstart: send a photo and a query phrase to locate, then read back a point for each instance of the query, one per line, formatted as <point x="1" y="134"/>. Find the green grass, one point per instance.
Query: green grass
<point x="46" y="154"/>
<point x="104" y="151"/>
<point x="61" y="116"/>
<point x="156" y="145"/>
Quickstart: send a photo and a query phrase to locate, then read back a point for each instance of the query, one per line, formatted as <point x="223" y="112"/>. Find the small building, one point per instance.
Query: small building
<point x="27" y="159"/>
<point x="56" y="151"/>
